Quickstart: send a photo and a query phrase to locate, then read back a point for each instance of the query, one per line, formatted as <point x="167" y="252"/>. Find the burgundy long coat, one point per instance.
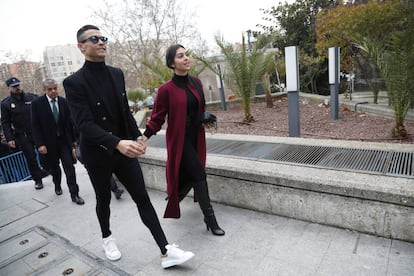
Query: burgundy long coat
<point x="171" y="103"/>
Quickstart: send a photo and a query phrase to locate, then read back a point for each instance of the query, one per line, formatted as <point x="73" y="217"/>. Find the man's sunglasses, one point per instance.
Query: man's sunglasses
<point x="95" y="39"/>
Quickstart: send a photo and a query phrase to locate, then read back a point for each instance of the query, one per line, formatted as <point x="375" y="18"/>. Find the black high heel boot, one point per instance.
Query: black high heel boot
<point x="201" y="191"/>
<point x="211" y="223"/>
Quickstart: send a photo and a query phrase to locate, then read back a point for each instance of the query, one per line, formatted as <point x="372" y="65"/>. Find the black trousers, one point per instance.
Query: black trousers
<point x="26" y="144"/>
<point x="129" y="173"/>
<point x="64" y="154"/>
<point x="192" y="173"/>
<point x="191" y="169"/>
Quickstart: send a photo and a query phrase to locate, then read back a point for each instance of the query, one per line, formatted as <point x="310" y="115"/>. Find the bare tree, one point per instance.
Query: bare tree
<point x="141" y="30"/>
<point x="14" y="57"/>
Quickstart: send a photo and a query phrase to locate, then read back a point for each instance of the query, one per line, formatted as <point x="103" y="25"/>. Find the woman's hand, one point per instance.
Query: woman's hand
<point x="132" y="149"/>
<point x="210" y="125"/>
<point x="142" y="138"/>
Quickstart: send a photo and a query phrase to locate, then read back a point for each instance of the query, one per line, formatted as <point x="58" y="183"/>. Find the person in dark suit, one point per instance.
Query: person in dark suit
<point x="15" y="121"/>
<point x="109" y="142"/>
<point x="54" y="137"/>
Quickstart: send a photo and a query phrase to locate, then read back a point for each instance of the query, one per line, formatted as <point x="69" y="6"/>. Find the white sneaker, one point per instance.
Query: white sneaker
<point x="111" y="250"/>
<point x="175" y="256"/>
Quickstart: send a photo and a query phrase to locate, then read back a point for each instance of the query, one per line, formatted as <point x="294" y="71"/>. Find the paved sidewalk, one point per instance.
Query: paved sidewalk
<point x="45" y="234"/>
<point x="363" y="102"/>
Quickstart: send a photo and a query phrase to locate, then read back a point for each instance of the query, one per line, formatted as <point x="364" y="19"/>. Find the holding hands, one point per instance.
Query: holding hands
<point x="131" y="148"/>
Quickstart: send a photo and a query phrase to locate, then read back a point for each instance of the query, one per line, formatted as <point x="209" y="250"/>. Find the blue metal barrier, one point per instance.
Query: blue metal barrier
<point x="13" y="168"/>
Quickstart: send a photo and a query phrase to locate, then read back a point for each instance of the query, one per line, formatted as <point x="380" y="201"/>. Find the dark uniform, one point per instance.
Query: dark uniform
<point x="16" y="124"/>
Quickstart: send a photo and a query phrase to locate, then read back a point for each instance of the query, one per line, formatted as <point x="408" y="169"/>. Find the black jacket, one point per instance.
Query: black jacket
<point x="15" y="115"/>
<point x="45" y="127"/>
<point x="92" y="113"/>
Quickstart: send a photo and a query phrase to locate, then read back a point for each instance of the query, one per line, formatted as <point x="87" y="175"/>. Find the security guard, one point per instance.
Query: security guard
<point x="16" y="123"/>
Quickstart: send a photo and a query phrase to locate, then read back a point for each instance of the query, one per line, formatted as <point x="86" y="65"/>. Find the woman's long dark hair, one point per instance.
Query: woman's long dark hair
<point x="170" y="55"/>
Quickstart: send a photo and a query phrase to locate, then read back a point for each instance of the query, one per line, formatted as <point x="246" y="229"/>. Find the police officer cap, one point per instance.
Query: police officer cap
<point x="12" y="82"/>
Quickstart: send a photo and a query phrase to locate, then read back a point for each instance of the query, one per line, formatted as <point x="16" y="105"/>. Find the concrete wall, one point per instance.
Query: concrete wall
<point x="369" y="203"/>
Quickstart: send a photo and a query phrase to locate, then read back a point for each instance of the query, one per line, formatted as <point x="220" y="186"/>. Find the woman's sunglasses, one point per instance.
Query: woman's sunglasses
<point x="95" y="39"/>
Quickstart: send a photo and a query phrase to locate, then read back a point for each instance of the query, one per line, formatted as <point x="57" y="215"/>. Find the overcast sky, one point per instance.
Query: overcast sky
<point x="34" y="24"/>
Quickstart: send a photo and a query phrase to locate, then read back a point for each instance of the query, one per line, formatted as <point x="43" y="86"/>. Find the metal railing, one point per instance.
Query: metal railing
<point x="14" y="168"/>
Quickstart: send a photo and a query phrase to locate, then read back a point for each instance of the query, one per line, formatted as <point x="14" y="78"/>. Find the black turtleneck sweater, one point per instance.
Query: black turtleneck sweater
<point x="103" y="82"/>
<point x="192" y="103"/>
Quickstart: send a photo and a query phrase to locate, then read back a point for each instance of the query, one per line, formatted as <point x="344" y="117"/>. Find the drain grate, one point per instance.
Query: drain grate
<point x="401" y="164"/>
<point x="391" y="163"/>
<point x="333" y="157"/>
<point x="39" y="251"/>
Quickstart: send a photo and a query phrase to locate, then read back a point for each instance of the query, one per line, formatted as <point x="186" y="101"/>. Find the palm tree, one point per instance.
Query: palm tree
<point x="158" y="69"/>
<point x="395" y="60"/>
<point x="246" y="68"/>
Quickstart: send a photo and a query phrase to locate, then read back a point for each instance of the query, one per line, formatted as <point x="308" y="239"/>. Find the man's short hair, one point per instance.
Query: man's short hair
<point x="84" y="29"/>
<point x="47" y="81"/>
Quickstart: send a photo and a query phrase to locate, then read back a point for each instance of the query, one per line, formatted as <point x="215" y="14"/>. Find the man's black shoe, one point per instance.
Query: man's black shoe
<point x="78" y="200"/>
<point x="58" y="190"/>
<point x="38" y="185"/>
<point x="119" y="193"/>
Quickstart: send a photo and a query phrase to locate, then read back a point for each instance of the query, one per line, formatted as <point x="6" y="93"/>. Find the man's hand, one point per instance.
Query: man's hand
<point x="11" y="144"/>
<point x="42" y="149"/>
<point x="131" y="148"/>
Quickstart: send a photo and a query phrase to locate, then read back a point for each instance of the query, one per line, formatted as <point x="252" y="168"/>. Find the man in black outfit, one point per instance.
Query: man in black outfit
<point x="54" y="137"/>
<point x="108" y="141"/>
<point x="15" y="121"/>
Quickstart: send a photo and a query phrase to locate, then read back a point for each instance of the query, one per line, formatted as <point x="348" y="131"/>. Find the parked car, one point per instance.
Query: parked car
<point x="140" y="105"/>
<point x="149" y="102"/>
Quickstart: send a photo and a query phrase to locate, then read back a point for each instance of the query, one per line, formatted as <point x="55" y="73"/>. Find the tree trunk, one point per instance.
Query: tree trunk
<point x="269" y="101"/>
<point x="399" y="131"/>
<point x="248" y="118"/>
<point x="376" y="93"/>
<point x="375" y="90"/>
<point x="268" y="95"/>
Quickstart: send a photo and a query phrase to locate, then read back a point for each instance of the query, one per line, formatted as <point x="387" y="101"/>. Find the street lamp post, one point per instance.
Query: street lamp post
<point x="249" y="42"/>
<point x="221" y="88"/>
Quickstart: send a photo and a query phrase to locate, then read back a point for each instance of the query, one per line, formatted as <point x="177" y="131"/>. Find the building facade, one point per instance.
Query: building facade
<point x="62" y="60"/>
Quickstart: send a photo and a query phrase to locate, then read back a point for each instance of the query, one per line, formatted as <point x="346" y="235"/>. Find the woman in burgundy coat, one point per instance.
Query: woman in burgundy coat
<point x="181" y="100"/>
